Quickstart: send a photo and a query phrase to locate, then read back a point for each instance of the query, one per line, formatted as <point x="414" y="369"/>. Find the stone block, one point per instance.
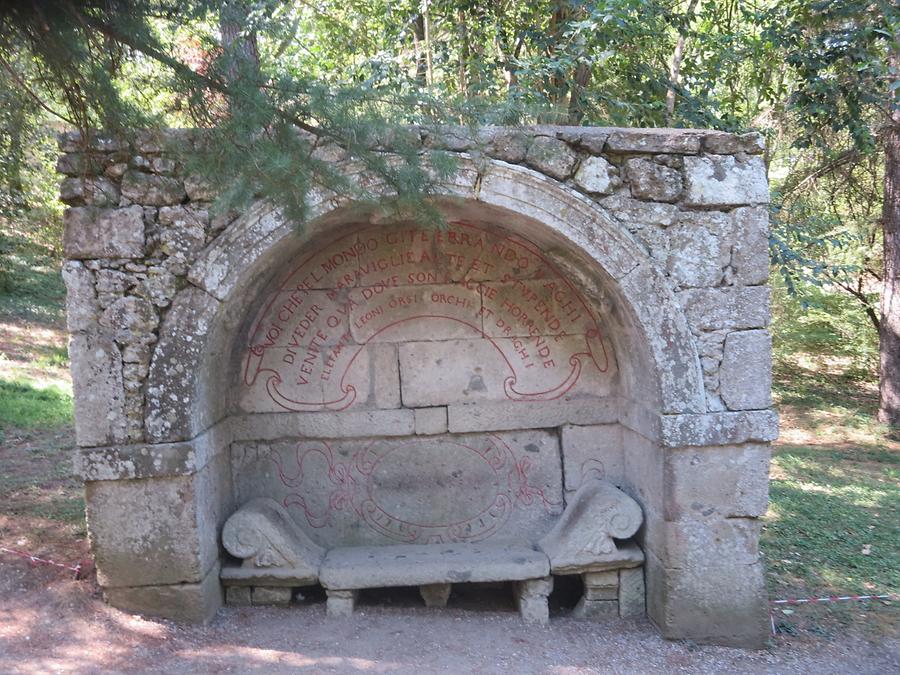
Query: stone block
<point x="740" y="487"/>
<point x="723" y="180"/>
<point x="635" y="214"/>
<point x="431" y="421"/>
<point x="151" y="189"/>
<point x="601" y="585"/>
<point x="93" y="191"/>
<point x="415" y="490"/>
<point x="199" y="189"/>
<point x="172" y="383"/>
<point x="340" y="603"/>
<point x="699" y="250"/>
<point x="594" y="450"/>
<point x="718" y="143"/>
<point x="417" y="565"/>
<point x="130" y="320"/>
<point x="552" y="157"/>
<point x="82" y="309"/>
<point x="722" y="428"/>
<point x="184" y="230"/>
<point x="751" y="244"/>
<point x="489" y="416"/>
<point x="596" y="609"/>
<point x="238" y="596"/>
<point x="632" y="593"/>
<point x="593" y="176"/>
<point x="79" y="164"/>
<point x="435" y="595"/>
<point x="654" y="141"/>
<point x="713" y="600"/>
<point x="507" y="145"/>
<point x="531" y="599"/>
<point x="90" y="232"/>
<point x="457" y="371"/>
<point x="745" y="376"/>
<point x="735" y="308"/>
<point x="592" y="140"/>
<point x="652" y="181"/>
<point x="187" y="603"/>
<point x="349" y="424"/>
<point x="99" y="390"/>
<point x="144" y="532"/>
<point x="271" y="595"/>
<point x="384" y="383"/>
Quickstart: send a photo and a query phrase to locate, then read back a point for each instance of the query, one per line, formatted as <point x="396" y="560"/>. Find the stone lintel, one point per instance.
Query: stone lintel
<point x="152" y="460"/>
<point x="351" y="424"/>
<point x="721" y="428"/>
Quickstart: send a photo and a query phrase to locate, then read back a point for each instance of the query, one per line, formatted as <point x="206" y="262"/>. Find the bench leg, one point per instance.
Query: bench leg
<point x="340" y="603"/>
<point x="435" y="595"/>
<point x="531" y="598"/>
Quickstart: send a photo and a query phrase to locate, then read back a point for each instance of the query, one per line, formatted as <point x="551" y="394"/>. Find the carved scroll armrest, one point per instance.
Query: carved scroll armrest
<point x="264" y="535"/>
<point x="583" y="538"/>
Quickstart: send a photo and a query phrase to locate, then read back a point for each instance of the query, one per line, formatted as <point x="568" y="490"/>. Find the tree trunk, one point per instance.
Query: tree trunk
<point x="240" y="50"/>
<point x="419" y="42"/>
<point x="889" y="408"/>
<point x="675" y="70"/>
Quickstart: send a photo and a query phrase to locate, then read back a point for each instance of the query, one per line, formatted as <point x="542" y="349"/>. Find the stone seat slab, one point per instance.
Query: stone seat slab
<point x="359" y="567"/>
<point x="233" y="575"/>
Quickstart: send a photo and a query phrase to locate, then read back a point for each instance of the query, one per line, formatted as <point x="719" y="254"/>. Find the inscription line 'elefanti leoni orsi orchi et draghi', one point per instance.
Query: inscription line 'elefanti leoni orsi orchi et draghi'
<point x="572" y="377"/>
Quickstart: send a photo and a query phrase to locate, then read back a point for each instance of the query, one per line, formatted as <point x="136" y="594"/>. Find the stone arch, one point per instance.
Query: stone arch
<point x="186" y="368"/>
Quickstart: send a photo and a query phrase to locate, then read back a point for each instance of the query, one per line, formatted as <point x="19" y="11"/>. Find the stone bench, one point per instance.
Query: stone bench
<point x="277" y="556"/>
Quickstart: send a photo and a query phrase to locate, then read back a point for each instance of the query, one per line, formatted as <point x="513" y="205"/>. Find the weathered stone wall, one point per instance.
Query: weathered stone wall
<point x="187" y="371"/>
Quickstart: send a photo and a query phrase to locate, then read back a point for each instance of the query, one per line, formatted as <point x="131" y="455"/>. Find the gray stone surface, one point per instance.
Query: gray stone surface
<point x="189" y="603"/>
<point x="649" y="180"/>
<point x="90" y="232"/>
<point x="82" y="309"/>
<point x="340" y="603"/>
<point x="531" y="599"/>
<point x="593" y="451"/>
<point x="497" y="488"/>
<point x="435" y="595"/>
<point x="172" y="381"/>
<point x="96" y="365"/>
<point x="601" y="585"/>
<point x="271" y="595"/>
<point x="593" y="176"/>
<point x="144" y="532"/>
<point x="596" y="609"/>
<point x="632" y="593"/>
<point x="431" y="421"/>
<point x="552" y="157"/>
<point x="735" y="308"/>
<point x="653" y="141"/>
<point x="653" y="347"/>
<point x="418" y="565"/>
<point x="264" y="536"/>
<point x="238" y="596"/>
<point x="740" y="488"/>
<point x="153" y="190"/>
<point x="746" y="371"/>
<point x="583" y="539"/>
<point x="723" y="180"/>
<point x="723" y="428"/>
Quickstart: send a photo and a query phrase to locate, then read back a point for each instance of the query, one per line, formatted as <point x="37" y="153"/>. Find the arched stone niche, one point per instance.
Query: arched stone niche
<point x="373" y="361"/>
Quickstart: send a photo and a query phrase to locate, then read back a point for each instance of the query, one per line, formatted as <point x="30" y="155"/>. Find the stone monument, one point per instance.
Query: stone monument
<point x="572" y="377"/>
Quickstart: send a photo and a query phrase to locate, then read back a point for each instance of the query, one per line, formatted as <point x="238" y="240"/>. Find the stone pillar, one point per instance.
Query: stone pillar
<point x="340" y="603"/>
<point x="531" y="599"/>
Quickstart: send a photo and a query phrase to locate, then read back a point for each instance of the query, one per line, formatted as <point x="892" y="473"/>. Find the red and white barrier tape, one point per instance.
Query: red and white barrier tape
<point x="75" y="569"/>
<point x="828" y="598"/>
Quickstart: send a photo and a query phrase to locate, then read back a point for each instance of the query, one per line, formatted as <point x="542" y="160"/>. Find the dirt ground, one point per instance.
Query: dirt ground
<point x="50" y="622"/>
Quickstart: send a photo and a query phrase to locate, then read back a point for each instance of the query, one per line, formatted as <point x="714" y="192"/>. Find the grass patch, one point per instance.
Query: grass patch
<point x="833" y="525"/>
<point x="26" y="405"/>
<point x="31" y="287"/>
